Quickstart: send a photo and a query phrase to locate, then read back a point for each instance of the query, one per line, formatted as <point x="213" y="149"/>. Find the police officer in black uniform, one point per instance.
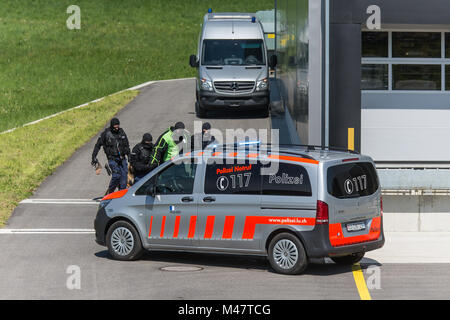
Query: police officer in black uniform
<point x="203" y="139"/>
<point x="141" y="156"/>
<point x="116" y="146"/>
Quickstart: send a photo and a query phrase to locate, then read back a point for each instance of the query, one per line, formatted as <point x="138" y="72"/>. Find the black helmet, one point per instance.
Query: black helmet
<point x="147" y="137"/>
<point x="114" y="122"/>
<point x="206" y="126"/>
<point x="179" y="125"/>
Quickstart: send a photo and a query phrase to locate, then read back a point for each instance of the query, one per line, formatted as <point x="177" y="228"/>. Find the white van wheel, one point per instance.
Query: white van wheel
<point x="287" y="254"/>
<point x="123" y="241"/>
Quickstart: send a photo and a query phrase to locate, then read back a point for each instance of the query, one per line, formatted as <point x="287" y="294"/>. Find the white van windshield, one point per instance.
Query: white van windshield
<point x="233" y="52"/>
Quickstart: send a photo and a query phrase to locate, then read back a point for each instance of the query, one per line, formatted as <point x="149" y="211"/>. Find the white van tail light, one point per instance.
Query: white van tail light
<point x="321" y="213"/>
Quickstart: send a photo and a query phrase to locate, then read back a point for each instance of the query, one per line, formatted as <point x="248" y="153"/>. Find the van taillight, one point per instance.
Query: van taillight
<point x="321" y="213"/>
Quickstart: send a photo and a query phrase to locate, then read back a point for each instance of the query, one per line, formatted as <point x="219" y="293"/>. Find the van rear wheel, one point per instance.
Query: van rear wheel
<point x="287" y="254"/>
<point x="350" y="259"/>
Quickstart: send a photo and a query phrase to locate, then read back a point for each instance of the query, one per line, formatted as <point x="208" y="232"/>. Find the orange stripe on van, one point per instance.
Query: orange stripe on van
<point x="337" y="236"/>
<point x="228" y="227"/>
<point x="291" y="158"/>
<point x="233" y="154"/>
<point x="115" y="195"/>
<point x="176" y="227"/>
<point x="209" y="227"/>
<point x="163" y="223"/>
<point x="216" y="154"/>
<point x="150" y="228"/>
<point x="192" y="224"/>
<point x="253" y="155"/>
<point x="251" y="222"/>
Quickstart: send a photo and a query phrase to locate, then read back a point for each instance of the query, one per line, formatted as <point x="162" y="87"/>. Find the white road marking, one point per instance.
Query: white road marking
<point x="59" y="201"/>
<point x="47" y="231"/>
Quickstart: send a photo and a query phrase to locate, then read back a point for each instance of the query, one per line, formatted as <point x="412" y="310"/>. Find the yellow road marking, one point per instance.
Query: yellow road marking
<point x="351" y="138"/>
<point x="360" y="282"/>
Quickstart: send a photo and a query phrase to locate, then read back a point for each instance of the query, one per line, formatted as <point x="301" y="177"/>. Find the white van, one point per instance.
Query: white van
<point x="233" y="68"/>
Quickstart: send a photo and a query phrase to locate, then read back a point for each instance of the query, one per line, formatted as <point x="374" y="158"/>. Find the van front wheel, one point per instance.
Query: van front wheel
<point x="123" y="242"/>
<point x="349" y="260"/>
<point x="287" y="254"/>
<point x="199" y="111"/>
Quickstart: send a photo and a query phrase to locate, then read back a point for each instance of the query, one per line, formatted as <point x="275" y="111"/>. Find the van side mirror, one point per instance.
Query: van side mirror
<point x="193" y="61"/>
<point x="273" y="61"/>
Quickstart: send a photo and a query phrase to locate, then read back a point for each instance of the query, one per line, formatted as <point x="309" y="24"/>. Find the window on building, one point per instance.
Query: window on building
<point x="447" y="45"/>
<point x="375" y="44"/>
<point x="417" y="77"/>
<point x="447" y="77"/>
<point x="375" y="77"/>
<point x="416" y="45"/>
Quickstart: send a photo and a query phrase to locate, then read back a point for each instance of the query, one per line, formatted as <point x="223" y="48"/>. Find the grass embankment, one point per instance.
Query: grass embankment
<point x="29" y="154"/>
<point x="46" y="68"/>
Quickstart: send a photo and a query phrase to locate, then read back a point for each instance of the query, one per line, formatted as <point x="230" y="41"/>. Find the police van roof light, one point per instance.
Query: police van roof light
<point x="253" y="19"/>
<point x="210" y="10"/>
<point x="249" y="143"/>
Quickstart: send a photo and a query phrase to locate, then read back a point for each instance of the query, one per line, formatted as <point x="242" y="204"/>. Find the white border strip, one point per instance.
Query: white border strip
<point x="93" y="101"/>
<point x="47" y="231"/>
<point x="59" y="201"/>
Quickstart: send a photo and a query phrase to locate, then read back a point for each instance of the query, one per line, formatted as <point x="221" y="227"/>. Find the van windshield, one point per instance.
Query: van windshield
<point x="233" y="52"/>
<point x="352" y="180"/>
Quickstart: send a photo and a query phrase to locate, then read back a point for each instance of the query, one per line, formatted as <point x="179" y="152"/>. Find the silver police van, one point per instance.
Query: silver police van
<point x="233" y="68"/>
<point x="291" y="204"/>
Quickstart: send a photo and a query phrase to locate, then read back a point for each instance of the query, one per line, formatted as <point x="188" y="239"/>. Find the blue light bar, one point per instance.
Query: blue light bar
<point x="249" y="143"/>
<point x="210" y="10"/>
<point x="253" y="19"/>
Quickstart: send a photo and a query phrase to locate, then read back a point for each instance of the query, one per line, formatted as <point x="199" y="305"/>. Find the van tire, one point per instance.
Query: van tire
<point x="132" y="248"/>
<point x="266" y="112"/>
<point x="280" y="248"/>
<point x="349" y="260"/>
<point x="199" y="111"/>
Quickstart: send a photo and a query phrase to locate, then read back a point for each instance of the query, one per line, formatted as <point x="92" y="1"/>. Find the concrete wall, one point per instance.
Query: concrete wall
<point x="426" y="213"/>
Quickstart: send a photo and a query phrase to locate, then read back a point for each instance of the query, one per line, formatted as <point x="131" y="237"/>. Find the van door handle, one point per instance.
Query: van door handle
<point x="209" y="199"/>
<point x="187" y="199"/>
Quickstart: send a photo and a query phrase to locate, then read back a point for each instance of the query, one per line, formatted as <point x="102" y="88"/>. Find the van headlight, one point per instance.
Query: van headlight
<point x="262" y="84"/>
<point x="206" y="84"/>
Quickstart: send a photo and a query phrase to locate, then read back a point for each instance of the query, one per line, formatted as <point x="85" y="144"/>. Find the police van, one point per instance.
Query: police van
<point x="232" y="63"/>
<point x="290" y="204"/>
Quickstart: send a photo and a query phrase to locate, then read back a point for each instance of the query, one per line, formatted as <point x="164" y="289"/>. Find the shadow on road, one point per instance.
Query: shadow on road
<point x="253" y="263"/>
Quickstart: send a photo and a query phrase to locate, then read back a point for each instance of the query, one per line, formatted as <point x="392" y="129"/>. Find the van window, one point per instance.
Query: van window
<point x="233" y="52"/>
<point x="233" y="178"/>
<point x="175" y="179"/>
<point x="290" y="180"/>
<point x="352" y="180"/>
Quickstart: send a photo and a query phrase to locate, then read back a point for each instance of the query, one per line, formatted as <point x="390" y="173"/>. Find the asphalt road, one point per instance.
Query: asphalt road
<point x="37" y="266"/>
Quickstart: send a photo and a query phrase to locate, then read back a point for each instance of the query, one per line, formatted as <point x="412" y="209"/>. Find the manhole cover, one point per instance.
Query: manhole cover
<point x="181" y="268"/>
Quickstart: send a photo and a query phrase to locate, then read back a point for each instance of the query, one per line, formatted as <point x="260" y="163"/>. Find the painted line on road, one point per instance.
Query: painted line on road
<point x="59" y="201"/>
<point x="360" y="282"/>
<point x="47" y="231"/>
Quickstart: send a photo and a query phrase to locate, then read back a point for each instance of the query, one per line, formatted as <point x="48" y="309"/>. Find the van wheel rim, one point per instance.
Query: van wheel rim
<point x="285" y="254"/>
<point x="122" y="241"/>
